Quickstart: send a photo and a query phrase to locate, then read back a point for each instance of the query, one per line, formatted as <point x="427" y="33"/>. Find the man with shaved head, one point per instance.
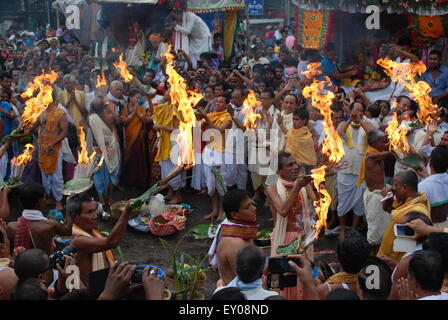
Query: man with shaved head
<point x="406" y="198"/>
<point x="8" y="280"/>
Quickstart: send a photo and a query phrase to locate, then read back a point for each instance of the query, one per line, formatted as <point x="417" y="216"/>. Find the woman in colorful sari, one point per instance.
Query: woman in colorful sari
<point x="135" y="171"/>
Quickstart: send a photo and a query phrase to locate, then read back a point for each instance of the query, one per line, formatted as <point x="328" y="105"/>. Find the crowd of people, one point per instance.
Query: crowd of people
<point x="133" y="125"/>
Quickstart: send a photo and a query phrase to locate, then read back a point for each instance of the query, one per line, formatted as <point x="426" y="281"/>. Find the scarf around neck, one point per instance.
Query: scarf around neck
<point x="230" y="232"/>
<point x="362" y="170"/>
<point x="361" y="143"/>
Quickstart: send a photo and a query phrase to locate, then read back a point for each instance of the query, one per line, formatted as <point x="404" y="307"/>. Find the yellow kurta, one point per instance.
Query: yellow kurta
<point x="300" y="143"/>
<point x="73" y="108"/>
<point x="419" y="204"/>
<point x="163" y="115"/>
<point x="218" y="118"/>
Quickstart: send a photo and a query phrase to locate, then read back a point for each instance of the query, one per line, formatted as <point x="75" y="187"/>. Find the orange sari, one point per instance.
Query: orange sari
<point x="48" y="161"/>
<point x="134" y="129"/>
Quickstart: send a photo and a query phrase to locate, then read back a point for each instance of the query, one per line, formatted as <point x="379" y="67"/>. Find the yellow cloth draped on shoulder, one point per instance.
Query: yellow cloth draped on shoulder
<point x="218" y="118"/>
<point x="362" y="170"/>
<point x="419" y="204"/>
<point x="163" y="115"/>
<point x="343" y="277"/>
<point x="73" y="108"/>
<point x="99" y="259"/>
<point x="300" y="143"/>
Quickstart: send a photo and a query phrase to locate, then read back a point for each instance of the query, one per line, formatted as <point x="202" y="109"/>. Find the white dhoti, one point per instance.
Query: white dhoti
<point x="350" y="196"/>
<point x="215" y="171"/>
<point x="53" y="183"/>
<point x="377" y="218"/>
<point x="198" y="180"/>
<point x="3" y="166"/>
<point x="236" y="173"/>
<point x="330" y="185"/>
<point x="166" y="167"/>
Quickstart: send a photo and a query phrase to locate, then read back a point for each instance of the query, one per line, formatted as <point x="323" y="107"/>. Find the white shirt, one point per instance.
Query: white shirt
<point x="441" y="296"/>
<point x="436" y="188"/>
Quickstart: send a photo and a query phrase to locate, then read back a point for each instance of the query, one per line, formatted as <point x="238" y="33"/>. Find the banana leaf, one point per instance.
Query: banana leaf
<point x="200" y="232"/>
<point x="10" y="183"/>
<point x="144" y="198"/>
<point x="13" y="134"/>
<point x="264" y="234"/>
<point x="412" y="161"/>
<point x="219" y="177"/>
<point x="290" y="248"/>
<point x="26" y="139"/>
<point x="76" y="186"/>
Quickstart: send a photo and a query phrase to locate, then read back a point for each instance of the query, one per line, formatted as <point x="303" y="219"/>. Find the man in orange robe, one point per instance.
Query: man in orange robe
<point x="53" y="128"/>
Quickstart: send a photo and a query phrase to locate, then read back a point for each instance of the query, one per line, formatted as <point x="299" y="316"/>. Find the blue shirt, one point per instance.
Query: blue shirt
<point x="7" y="123"/>
<point x="439" y="84"/>
<point x="329" y="69"/>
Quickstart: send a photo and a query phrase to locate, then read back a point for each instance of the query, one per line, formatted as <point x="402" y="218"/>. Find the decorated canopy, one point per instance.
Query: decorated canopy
<point x="215" y="5"/>
<point x="421" y="7"/>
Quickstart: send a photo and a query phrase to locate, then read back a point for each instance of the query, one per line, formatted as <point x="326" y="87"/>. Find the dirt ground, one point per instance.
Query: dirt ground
<point x="145" y="248"/>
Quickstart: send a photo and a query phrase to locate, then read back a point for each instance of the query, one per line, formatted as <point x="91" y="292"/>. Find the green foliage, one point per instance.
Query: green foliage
<point x="291" y="248"/>
<point x="264" y="234"/>
<point x="200" y="232"/>
<point x="185" y="276"/>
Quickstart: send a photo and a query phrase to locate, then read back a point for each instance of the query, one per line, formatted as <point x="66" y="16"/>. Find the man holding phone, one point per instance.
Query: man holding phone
<point x="289" y="202"/>
<point x="406" y="198"/>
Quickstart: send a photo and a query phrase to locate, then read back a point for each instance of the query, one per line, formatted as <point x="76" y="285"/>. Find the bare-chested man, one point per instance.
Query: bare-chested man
<point x="93" y="250"/>
<point x="33" y="230"/>
<point x="237" y="231"/>
<point x="53" y="128"/>
<point x="377" y="218"/>
<point x="289" y="199"/>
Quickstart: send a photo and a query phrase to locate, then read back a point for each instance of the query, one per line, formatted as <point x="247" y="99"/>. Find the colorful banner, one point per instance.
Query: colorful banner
<point x="130" y="1"/>
<point x="215" y="5"/>
<point x="313" y="27"/>
<point x="230" y="18"/>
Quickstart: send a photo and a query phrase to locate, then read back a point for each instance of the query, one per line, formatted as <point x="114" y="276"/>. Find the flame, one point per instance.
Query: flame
<point x="35" y="105"/>
<point x="249" y="106"/>
<point x="323" y="204"/>
<point x="332" y="146"/>
<point x="322" y="99"/>
<point x="124" y="72"/>
<point x="184" y="101"/>
<point x="397" y="135"/>
<point x="405" y="74"/>
<point x="25" y="157"/>
<point x="313" y="70"/>
<point x="101" y="81"/>
<point x="83" y="157"/>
